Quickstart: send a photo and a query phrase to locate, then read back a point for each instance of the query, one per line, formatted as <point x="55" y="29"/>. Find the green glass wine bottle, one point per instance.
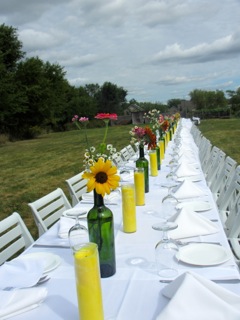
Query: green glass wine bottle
<point x="142" y="162"/>
<point x="101" y="232"/>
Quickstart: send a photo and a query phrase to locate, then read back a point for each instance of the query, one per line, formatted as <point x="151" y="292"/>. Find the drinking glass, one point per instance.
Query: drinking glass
<point x="165" y="251"/>
<point x="78" y="234"/>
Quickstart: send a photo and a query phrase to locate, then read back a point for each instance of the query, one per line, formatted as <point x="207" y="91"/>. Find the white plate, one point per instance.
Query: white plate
<point x="203" y="254"/>
<point x="74" y="212"/>
<point x="51" y="261"/>
<point x="195" y="205"/>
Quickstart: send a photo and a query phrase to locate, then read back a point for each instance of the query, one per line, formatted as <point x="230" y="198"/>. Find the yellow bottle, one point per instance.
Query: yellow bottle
<point x="139" y="186"/>
<point x="128" y="207"/>
<point x="88" y="283"/>
<point x="153" y="163"/>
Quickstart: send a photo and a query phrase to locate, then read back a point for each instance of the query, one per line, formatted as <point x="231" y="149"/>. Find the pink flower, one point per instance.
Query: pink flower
<point x="111" y="116"/>
<point x="74" y="118"/>
<point x="161" y="118"/>
<point x="139" y="132"/>
<point x="83" y="119"/>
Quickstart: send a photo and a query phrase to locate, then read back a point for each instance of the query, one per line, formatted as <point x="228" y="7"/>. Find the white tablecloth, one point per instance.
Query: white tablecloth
<point x="134" y="292"/>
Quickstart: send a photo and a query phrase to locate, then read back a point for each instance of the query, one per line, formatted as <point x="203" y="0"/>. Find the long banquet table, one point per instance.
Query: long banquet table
<point x="134" y="292"/>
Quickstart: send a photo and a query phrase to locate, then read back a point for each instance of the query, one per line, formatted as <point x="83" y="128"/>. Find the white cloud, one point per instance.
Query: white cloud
<point x="156" y="49"/>
<point x="223" y="48"/>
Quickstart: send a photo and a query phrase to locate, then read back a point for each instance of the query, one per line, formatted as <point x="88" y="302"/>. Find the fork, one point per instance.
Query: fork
<point x="43" y="279"/>
<point x="184" y="243"/>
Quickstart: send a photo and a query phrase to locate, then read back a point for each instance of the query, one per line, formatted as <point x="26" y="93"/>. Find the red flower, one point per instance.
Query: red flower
<point x="111" y="116"/>
<point x="150" y="138"/>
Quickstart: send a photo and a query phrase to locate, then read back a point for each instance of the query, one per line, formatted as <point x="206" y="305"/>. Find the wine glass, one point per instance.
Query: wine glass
<point x="78" y="234"/>
<point x="165" y="251"/>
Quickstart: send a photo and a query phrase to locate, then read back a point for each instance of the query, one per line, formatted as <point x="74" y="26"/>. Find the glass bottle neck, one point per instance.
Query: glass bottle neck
<point x="141" y="151"/>
<point x="98" y="199"/>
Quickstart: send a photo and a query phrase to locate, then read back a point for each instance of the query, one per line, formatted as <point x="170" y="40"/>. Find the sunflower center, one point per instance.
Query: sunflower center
<point x="101" y="177"/>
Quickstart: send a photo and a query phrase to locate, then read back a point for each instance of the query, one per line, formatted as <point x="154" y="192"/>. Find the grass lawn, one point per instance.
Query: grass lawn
<point x="224" y="134"/>
<point x="32" y="168"/>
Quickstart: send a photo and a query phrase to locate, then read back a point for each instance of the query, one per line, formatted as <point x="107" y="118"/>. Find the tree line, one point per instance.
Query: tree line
<point x="35" y="95"/>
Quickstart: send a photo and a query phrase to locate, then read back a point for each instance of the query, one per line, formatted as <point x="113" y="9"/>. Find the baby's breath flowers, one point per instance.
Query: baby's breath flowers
<point x="102" y="151"/>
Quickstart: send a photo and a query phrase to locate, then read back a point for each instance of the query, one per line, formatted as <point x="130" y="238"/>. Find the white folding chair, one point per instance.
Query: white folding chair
<point x="217" y="166"/>
<point x="48" y="209"/>
<point x="130" y="151"/>
<point x="227" y="202"/>
<point x="125" y="154"/>
<point x="211" y="161"/>
<point x="204" y="153"/>
<point x="223" y="177"/>
<point x="76" y="187"/>
<point x="14" y="237"/>
<point x="118" y="160"/>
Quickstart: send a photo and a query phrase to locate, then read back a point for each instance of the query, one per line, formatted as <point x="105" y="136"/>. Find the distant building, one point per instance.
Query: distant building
<point x="137" y="114"/>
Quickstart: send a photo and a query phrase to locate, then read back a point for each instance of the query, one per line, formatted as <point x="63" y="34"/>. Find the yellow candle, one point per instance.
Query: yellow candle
<point x="139" y="186"/>
<point x="161" y="146"/>
<point x="128" y="207"/>
<point x="88" y="283"/>
<point x="153" y="163"/>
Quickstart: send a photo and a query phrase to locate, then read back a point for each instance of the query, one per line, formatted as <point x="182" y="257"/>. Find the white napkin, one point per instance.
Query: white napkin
<point x="189" y="159"/>
<point x="64" y="225"/>
<point x="186" y="170"/>
<point x="15" y="302"/>
<point x="189" y="189"/>
<point x="191" y="224"/>
<point x="20" y="272"/>
<point x="195" y="297"/>
<point x="111" y="198"/>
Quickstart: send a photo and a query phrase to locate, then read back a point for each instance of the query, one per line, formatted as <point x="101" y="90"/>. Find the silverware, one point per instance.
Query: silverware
<point x="184" y="243"/>
<point x="43" y="279"/>
<point x="36" y="245"/>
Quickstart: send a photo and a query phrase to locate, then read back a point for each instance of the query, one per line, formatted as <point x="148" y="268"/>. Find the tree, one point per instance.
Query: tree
<point x="11" y="98"/>
<point x="234" y="99"/>
<point x="10" y="47"/>
<point x="173" y="103"/>
<point x="110" y="98"/>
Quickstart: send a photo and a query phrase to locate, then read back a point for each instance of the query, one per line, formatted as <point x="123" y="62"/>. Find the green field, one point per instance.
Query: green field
<point x="32" y="168"/>
<point x="224" y="134"/>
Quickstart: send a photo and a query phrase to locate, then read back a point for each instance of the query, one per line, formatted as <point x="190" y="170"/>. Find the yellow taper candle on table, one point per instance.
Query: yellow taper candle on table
<point x="161" y="146"/>
<point x="139" y="186"/>
<point x="128" y="207"/>
<point x="88" y="283"/>
<point x="153" y="163"/>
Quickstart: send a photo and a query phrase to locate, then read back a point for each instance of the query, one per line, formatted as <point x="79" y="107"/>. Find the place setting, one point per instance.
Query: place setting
<point x="21" y="281"/>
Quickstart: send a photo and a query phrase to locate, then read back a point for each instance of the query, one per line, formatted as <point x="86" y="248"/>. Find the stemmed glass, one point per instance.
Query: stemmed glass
<point x="165" y="251"/>
<point x="78" y="234"/>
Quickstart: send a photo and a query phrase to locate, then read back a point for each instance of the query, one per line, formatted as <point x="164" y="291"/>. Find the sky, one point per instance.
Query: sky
<point x="156" y="50"/>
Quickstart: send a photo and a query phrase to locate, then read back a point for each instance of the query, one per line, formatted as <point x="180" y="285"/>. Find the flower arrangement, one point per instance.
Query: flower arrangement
<point x="104" y="151"/>
<point x="100" y="172"/>
<point x="144" y="136"/>
<point x="159" y="122"/>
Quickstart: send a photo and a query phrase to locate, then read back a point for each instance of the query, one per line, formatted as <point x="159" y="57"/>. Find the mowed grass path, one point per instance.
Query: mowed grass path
<point x="32" y="168"/>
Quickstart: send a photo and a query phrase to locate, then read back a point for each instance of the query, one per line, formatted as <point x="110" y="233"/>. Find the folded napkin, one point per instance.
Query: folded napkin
<point x="111" y="198"/>
<point x="21" y="272"/>
<point x="15" y="302"/>
<point x="195" y="297"/>
<point x="189" y="159"/>
<point x="186" y="170"/>
<point x="64" y="225"/>
<point x="191" y="224"/>
<point x="188" y="189"/>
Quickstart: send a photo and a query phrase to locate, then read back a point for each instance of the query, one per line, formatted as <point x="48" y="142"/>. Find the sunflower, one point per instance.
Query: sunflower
<point x="102" y="177"/>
